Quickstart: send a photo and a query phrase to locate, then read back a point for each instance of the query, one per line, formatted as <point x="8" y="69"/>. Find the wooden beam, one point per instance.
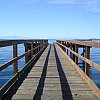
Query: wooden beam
<point x="36" y="46"/>
<point x="26" y="56"/>
<point x="87" y="55"/>
<point x="76" y="50"/>
<point x="4" y="43"/>
<point x="32" y="48"/>
<point x="71" y="55"/>
<point x="15" y="65"/>
<point x="84" y="43"/>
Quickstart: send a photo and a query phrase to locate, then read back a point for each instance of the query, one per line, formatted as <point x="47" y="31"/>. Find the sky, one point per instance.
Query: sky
<point x="52" y="19"/>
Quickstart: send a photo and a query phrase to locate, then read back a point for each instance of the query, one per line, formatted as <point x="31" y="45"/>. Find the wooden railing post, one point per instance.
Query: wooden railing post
<point x="15" y="65"/>
<point x="76" y="50"/>
<point x="26" y="49"/>
<point x="70" y="52"/>
<point x="64" y="45"/>
<point x="67" y="46"/>
<point x="32" y="48"/>
<point x="35" y="46"/>
<point x="87" y="55"/>
<point x="38" y="45"/>
<point x="41" y="43"/>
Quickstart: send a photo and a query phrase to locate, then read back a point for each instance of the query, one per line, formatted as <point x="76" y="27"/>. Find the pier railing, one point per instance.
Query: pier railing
<point x="71" y="48"/>
<point x="33" y="49"/>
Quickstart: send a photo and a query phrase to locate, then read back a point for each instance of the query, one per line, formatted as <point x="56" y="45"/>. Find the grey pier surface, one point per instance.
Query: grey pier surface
<point x="54" y="78"/>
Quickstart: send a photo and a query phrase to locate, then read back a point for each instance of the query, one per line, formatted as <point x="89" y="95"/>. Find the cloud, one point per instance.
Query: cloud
<point x="20" y="1"/>
<point x="92" y="5"/>
<point x="89" y="5"/>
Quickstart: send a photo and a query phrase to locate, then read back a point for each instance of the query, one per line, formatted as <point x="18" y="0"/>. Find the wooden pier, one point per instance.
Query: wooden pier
<point x="51" y="72"/>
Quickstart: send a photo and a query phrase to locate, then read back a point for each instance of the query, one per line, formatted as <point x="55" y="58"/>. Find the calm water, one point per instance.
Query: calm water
<point x="6" y="55"/>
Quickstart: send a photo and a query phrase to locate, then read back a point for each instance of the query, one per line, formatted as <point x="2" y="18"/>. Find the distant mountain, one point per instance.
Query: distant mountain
<point x="94" y="39"/>
<point x="13" y="37"/>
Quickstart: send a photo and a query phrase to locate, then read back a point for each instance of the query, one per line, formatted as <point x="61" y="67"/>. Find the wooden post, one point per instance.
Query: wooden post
<point x="41" y="43"/>
<point x="87" y="55"/>
<point x="63" y="43"/>
<point x="67" y="49"/>
<point x="15" y="65"/>
<point x="38" y="45"/>
<point x="26" y="49"/>
<point x="76" y="50"/>
<point x="60" y="45"/>
<point x="35" y="46"/>
<point x="70" y="52"/>
<point x="32" y="48"/>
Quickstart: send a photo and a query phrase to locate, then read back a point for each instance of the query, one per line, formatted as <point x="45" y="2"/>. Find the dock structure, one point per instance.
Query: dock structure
<point x="51" y="72"/>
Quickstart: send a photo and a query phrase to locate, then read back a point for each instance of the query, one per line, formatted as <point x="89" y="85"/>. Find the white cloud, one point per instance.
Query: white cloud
<point x="89" y="5"/>
<point x="92" y="5"/>
<point x="21" y="1"/>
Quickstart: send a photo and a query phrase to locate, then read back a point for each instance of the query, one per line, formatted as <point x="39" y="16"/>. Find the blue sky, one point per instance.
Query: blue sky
<point x="61" y="19"/>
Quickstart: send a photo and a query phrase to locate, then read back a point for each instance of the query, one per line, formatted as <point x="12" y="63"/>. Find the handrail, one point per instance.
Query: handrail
<point x="91" y="84"/>
<point x="84" y="43"/>
<point x="4" y="43"/>
<point x="83" y="58"/>
<point x="17" y="75"/>
<point x="17" y="58"/>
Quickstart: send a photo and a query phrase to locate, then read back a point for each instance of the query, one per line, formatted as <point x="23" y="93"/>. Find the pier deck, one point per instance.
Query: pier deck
<point x="53" y="77"/>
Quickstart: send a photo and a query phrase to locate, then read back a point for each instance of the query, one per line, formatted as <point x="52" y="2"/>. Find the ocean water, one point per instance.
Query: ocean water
<point x="95" y="74"/>
<point x="95" y="57"/>
<point x="6" y="55"/>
